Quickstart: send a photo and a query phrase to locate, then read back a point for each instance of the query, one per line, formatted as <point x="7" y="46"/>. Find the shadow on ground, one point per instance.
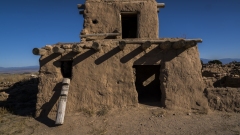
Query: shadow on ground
<point x="22" y="97"/>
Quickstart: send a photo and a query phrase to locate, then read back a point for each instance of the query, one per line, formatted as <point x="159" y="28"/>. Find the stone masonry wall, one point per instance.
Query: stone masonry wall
<point x="215" y="75"/>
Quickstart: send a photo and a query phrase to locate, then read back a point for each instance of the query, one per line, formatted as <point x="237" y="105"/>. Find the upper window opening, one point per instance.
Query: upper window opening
<point x="129" y="25"/>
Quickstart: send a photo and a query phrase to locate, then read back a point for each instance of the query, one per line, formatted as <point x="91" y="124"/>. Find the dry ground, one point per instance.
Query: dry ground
<point x="145" y="120"/>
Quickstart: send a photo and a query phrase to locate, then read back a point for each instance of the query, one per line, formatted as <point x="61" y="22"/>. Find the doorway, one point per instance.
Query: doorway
<point x="147" y="84"/>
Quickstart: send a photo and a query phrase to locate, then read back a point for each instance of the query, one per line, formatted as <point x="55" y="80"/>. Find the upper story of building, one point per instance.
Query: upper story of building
<point x="120" y="19"/>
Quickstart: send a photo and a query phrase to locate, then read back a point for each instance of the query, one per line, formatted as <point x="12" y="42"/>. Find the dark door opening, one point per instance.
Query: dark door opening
<point x="66" y="69"/>
<point x="129" y="25"/>
<point x="147" y="84"/>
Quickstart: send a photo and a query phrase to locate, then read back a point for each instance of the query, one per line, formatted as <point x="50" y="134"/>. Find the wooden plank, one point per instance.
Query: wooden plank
<point x="101" y="34"/>
<point x="160" y="5"/>
<point x="61" y="110"/>
<point x="38" y="51"/>
<point x="126" y="13"/>
<point x="160" y="41"/>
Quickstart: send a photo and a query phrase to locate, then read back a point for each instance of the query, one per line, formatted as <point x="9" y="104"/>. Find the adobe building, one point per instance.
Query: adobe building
<point x="120" y="62"/>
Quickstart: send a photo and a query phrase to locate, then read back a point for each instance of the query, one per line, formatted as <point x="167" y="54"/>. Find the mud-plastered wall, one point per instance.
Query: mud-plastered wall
<point x="106" y="78"/>
<point x="99" y="79"/>
<point x="105" y="17"/>
<point x="182" y="81"/>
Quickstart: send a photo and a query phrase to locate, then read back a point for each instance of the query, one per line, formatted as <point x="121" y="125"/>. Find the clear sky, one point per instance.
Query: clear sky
<point x="25" y="24"/>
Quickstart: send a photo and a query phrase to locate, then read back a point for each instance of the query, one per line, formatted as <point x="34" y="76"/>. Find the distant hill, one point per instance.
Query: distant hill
<point x="224" y="61"/>
<point x="30" y="69"/>
<point x="27" y="69"/>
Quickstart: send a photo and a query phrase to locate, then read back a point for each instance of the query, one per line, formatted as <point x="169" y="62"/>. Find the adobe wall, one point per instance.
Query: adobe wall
<point x="182" y="80"/>
<point x="224" y="99"/>
<point x="106" y="78"/>
<point x="107" y="14"/>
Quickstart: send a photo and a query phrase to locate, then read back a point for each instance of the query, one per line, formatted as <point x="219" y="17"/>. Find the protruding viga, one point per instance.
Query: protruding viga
<point x="165" y="45"/>
<point x="146" y="45"/>
<point x="58" y="50"/>
<point x="77" y="49"/>
<point x="96" y="46"/>
<point x="122" y="45"/>
<point x="39" y="51"/>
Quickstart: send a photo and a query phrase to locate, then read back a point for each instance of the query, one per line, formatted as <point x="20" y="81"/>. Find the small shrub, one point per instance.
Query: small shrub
<point x="102" y="112"/>
<point x="215" y="62"/>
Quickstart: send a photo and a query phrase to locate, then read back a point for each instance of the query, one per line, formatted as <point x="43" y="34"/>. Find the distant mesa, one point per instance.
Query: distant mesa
<point x="11" y="70"/>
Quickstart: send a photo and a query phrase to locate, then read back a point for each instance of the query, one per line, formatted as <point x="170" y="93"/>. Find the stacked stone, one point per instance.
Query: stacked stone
<point x="216" y="75"/>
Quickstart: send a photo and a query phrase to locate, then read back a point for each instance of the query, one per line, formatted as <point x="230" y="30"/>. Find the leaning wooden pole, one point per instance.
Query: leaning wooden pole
<point x="62" y="101"/>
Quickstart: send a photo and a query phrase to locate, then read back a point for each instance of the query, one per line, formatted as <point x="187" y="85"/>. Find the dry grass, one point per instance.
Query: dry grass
<point x="4" y="111"/>
<point x="87" y="112"/>
<point x="14" y="77"/>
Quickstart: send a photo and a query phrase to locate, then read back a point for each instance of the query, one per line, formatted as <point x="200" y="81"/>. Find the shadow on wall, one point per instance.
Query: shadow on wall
<point x="149" y="91"/>
<point x="22" y="98"/>
<point x="107" y="55"/>
<point x="47" y="107"/>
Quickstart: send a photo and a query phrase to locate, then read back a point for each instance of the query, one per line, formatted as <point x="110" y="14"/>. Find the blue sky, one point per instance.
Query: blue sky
<point x="25" y="24"/>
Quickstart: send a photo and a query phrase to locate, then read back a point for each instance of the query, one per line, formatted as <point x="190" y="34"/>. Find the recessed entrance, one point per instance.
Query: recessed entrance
<point x="66" y="69"/>
<point x="129" y="25"/>
<point x="147" y="84"/>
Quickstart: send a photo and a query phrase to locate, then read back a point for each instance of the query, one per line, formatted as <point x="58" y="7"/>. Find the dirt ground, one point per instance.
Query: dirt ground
<point x="145" y="120"/>
<point x="18" y="100"/>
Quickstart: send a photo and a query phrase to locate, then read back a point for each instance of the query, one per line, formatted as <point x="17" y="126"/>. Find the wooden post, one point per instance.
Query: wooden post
<point x="38" y="51"/>
<point x="77" y="49"/>
<point x="178" y="44"/>
<point x="146" y="45"/>
<point x="96" y="46"/>
<point x="65" y="89"/>
<point x="66" y="81"/>
<point x="62" y="101"/>
<point x="61" y="110"/>
<point x="58" y="50"/>
<point x="165" y="45"/>
<point x="122" y="45"/>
